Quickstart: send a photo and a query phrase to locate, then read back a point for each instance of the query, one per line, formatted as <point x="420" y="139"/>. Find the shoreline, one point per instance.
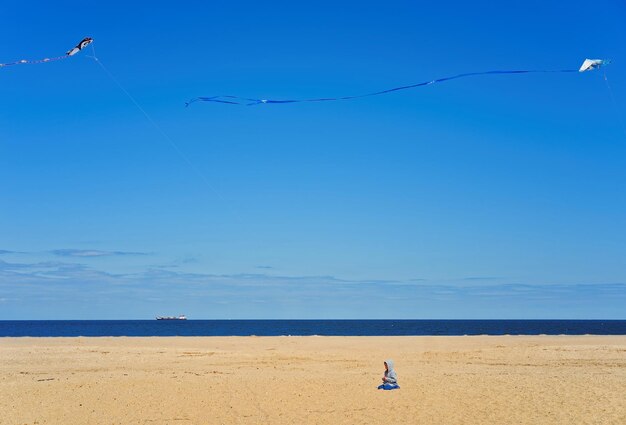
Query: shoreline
<point x="320" y="336"/>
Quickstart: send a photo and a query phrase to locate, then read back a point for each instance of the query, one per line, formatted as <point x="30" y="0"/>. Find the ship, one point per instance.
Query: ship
<point x="181" y="317"/>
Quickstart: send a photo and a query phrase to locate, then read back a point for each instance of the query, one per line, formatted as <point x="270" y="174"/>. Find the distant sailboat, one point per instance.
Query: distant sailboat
<point x="181" y="317"/>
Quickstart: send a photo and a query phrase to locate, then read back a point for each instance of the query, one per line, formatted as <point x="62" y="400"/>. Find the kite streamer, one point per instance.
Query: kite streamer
<point x="80" y="46"/>
<point x="587" y="65"/>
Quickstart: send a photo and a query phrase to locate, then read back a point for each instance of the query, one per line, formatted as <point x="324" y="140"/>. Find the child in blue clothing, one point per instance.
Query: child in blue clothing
<point x="390" y="379"/>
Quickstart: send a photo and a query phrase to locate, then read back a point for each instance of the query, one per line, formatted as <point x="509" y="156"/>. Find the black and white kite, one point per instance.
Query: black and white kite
<point x="80" y="46"/>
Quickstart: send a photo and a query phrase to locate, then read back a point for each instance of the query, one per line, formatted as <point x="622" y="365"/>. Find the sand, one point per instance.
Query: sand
<point x="313" y="380"/>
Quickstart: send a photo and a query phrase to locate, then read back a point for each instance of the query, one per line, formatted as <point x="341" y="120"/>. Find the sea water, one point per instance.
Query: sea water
<point x="58" y="328"/>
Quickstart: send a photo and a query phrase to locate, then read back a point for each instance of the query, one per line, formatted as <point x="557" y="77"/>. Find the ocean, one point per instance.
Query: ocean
<point x="69" y="328"/>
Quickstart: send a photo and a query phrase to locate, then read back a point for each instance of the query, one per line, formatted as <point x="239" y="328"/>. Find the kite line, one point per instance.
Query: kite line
<point x="587" y="65"/>
<point x="166" y="136"/>
<point x="615" y="105"/>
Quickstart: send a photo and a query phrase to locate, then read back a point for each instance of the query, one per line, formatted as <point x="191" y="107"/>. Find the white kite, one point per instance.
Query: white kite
<point x="590" y="64"/>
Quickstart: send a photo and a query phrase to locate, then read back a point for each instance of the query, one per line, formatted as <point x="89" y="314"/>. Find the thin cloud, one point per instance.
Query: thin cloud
<point x="88" y="253"/>
<point x="174" y="264"/>
<point x="6" y="251"/>
<point x="482" y="278"/>
<point x="44" y="272"/>
<point x="41" y="283"/>
<point x="187" y="260"/>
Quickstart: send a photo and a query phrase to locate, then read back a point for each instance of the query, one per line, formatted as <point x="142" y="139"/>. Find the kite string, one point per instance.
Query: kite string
<point x="166" y="136"/>
<point x="615" y="104"/>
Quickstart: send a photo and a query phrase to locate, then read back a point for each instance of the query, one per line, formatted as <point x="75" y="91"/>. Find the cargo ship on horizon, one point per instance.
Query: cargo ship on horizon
<point x="181" y="317"/>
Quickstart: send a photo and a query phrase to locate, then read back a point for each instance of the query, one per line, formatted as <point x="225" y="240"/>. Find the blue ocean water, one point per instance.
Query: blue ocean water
<point x="55" y="328"/>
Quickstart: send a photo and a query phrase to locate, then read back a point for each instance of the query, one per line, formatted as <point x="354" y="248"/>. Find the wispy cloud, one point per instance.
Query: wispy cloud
<point x="6" y="251"/>
<point x="482" y="278"/>
<point x="45" y="284"/>
<point x="46" y="272"/>
<point x="86" y="253"/>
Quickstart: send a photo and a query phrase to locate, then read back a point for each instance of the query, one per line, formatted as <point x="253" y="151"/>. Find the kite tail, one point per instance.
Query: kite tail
<point x="211" y="99"/>
<point x="32" y="62"/>
<point x="237" y="100"/>
<point x="83" y="43"/>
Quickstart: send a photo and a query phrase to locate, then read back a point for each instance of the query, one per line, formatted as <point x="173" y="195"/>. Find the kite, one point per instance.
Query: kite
<point x="588" y="65"/>
<point x="80" y="46"/>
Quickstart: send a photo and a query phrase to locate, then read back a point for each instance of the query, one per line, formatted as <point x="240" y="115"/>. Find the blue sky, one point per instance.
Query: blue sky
<point x="486" y="197"/>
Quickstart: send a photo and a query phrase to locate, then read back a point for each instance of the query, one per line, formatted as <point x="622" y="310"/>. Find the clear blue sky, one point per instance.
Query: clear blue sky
<point x="486" y="197"/>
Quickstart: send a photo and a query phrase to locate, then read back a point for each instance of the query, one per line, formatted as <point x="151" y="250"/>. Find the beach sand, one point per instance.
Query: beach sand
<point x="313" y="380"/>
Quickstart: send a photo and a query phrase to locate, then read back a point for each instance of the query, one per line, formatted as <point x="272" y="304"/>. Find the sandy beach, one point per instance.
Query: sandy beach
<point x="313" y="380"/>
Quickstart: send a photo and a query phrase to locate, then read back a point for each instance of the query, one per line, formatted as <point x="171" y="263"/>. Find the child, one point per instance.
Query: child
<point x="390" y="379"/>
